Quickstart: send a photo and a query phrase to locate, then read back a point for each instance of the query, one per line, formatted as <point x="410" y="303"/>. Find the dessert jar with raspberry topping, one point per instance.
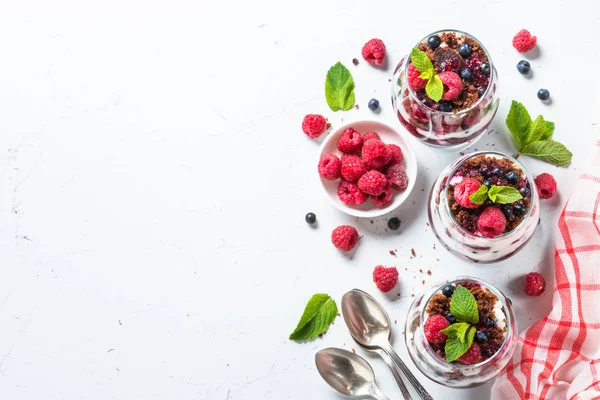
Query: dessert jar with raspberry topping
<point x="451" y="358"/>
<point x="502" y="218"/>
<point x="469" y="101"/>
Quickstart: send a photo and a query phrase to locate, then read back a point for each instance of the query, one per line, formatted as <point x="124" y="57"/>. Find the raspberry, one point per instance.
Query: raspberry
<point x="350" y="194"/>
<point x="523" y="41"/>
<point x="534" y="284"/>
<point x="374" y="51"/>
<point x="447" y="59"/>
<point x="414" y="81"/>
<point x="472" y="356"/>
<point x="344" y="237"/>
<point x="372" y="183"/>
<point x="396" y="176"/>
<point x="545" y="185"/>
<point x="384" y="198"/>
<point x="395" y="154"/>
<point x="452" y="85"/>
<point x="370" y="135"/>
<point x="353" y="167"/>
<point x="375" y="153"/>
<point x="433" y="329"/>
<point x="330" y="167"/>
<point x="385" y="278"/>
<point x="463" y="190"/>
<point x="491" y="222"/>
<point x="314" y="125"/>
<point x="350" y="141"/>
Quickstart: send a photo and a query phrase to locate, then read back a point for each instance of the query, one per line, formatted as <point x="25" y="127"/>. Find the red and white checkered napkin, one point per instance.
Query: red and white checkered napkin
<point x="559" y="357"/>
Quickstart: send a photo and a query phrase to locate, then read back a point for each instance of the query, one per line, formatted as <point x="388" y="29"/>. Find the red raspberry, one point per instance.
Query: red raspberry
<point x="384" y="198"/>
<point x="534" y="284"/>
<point x="344" y="237"/>
<point x="395" y="154"/>
<point x="472" y="356"/>
<point x="545" y="185"/>
<point x="350" y="194"/>
<point x="353" y="167"/>
<point x="523" y="41"/>
<point x="433" y="329"/>
<point x="385" y="278"/>
<point x="414" y="81"/>
<point x="372" y="183"/>
<point x="491" y="222"/>
<point x="374" y="51"/>
<point x="452" y="84"/>
<point x="350" y="141"/>
<point x="314" y="125"/>
<point x="463" y="190"/>
<point x="396" y="176"/>
<point x="375" y="153"/>
<point x="330" y="167"/>
<point x="370" y="135"/>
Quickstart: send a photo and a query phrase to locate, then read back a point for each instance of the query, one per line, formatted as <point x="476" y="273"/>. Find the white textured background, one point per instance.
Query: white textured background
<point x="154" y="181"/>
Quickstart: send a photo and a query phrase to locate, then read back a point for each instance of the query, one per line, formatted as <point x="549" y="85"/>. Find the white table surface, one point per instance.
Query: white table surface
<point x="154" y="180"/>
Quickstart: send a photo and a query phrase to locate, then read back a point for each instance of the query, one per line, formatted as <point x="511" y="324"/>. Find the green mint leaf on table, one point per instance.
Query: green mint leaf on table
<point x="455" y="347"/>
<point x="504" y="194"/>
<point x="421" y="61"/>
<point x="480" y="196"/>
<point x="319" y="313"/>
<point x="458" y="330"/>
<point x="518" y="122"/>
<point x="464" y="306"/>
<point x="339" y="88"/>
<point x="549" y="131"/>
<point x="434" y="88"/>
<point x="550" y="151"/>
<point x="536" y="131"/>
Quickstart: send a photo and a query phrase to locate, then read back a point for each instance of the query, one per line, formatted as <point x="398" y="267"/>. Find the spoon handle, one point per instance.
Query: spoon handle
<point x="423" y="394"/>
<point x="377" y="395"/>
<point x="401" y="385"/>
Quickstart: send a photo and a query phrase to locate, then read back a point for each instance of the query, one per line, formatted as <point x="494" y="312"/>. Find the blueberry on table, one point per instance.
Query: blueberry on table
<point x="543" y="94"/>
<point x="311" y="218"/>
<point x="481" y="337"/>
<point x="451" y="318"/>
<point x="519" y="210"/>
<point x="433" y="42"/>
<point x="485" y="68"/>
<point x="464" y="50"/>
<point x="445" y="106"/>
<point x="523" y="66"/>
<point x="448" y="290"/>
<point x="466" y="73"/>
<point x="512" y="177"/>
<point x="394" y="223"/>
<point x="373" y="104"/>
<point x="525" y="192"/>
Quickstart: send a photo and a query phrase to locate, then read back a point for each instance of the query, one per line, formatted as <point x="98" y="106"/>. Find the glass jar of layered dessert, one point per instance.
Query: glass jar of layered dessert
<point x="484" y="207"/>
<point x="462" y="333"/>
<point x="468" y="102"/>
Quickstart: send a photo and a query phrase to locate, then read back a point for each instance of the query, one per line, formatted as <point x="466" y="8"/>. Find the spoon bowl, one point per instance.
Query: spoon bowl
<point x="367" y="321"/>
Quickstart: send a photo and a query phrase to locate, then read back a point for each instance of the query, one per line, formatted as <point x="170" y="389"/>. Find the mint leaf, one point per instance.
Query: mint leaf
<point x="319" y="313"/>
<point x="427" y="74"/>
<point x="339" y="88"/>
<point x="421" y="61"/>
<point x="480" y="195"/>
<point x="536" y="131"/>
<point x="550" y="151"/>
<point x="455" y="347"/>
<point x="464" y="306"/>
<point x="518" y="122"/>
<point x="504" y="194"/>
<point x="458" y="330"/>
<point x="549" y="131"/>
<point x="434" y="88"/>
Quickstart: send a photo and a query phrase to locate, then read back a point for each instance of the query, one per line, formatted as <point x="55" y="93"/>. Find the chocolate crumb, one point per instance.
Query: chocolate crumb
<point x="392" y="252"/>
<point x="356" y="106"/>
<point x="354" y="351"/>
<point x="429" y="272"/>
<point x="371" y="221"/>
<point x="412" y="251"/>
<point x="423" y="281"/>
<point x="420" y="270"/>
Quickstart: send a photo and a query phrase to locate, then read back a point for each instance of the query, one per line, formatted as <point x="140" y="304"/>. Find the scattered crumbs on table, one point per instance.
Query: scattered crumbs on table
<point x="392" y="252"/>
<point x="437" y="259"/>
<point x="427" y="223"/>
<point x="355" y="61"/>
<point x="396" y="321"/>
<point x="420" y="270"/>
<point x="429" y="272"/>
<point x="371" y="221"/>
<point x="434" y="246"/>
<point x="462" y="153"/>
<point x="412" y="295"/>
<point x="354" y="351"/>
<point x="406" y="269"/>
<point x="109" y="350"/>
<point x="423" y="281"/>
<point x="356" y="106"/>
<point x="120" y="323"/>
<point x="389" y="80"/>
<point x="412" y="251"/>
<point x="339" y="315"/>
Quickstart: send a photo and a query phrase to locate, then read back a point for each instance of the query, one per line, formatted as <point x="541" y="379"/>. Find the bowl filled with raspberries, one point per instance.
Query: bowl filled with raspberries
<point x="367" y="169"/>
<point x="461" y="333"/>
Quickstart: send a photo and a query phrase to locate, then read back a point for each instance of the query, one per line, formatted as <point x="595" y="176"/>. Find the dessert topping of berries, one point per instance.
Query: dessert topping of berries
<point x="433" y="329"/>
<point x="464" y="189"/>
<point x="491" y="222"/>
<point x="472" y="356"/>
<point x="452" y="85"/>
<point x="414" y="81"/>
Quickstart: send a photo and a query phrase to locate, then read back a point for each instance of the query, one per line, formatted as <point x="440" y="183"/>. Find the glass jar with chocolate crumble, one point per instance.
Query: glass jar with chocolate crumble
<point x="469" y="101"/>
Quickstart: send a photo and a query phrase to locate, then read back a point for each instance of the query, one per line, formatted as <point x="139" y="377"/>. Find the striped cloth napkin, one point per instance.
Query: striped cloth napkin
<point x="559" y="357"/>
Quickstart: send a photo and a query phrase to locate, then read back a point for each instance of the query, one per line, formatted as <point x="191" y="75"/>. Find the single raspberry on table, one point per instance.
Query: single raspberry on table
<point x="350" y="141"/>
<point x="491" y="222"/>
<point x="374" y="51"/>
<point x="350" y="194"/>
<point x="535" y="284"/>
<point x="314" y="125"/>
<point x="372" y="183"/>
<point x="385" y="278"/>
<point x="472" y="356"/>
<point x="396" y="176"/>
<point x="464" y="189"/>
<point x="344" y="237"/>
<point x="452" y="85"/>
<point x="384" y="198"/>
<point x="395" y="152"/>
<point x="545" y="185"/>
<point x="414" y="81"/>
<point x="353" y="167"/>
<point x="523" y="41"/>
<point x="433" y="329"/>
<point x="330" y="167"/>
<point x="370" y="135"/>
<point x="375" y="153"/>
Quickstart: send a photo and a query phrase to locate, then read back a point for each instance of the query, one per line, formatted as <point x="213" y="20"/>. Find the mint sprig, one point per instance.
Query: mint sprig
<point x="480" y="196"/>
<point x="339" y="88"/>
<point x="319" y="313"/>
<point x="460" y="339"/>
<point x="422" y="63"/>
<point x="533" y="138"/>
<point x="464" y="306"/>
<point x="497" y="194"/>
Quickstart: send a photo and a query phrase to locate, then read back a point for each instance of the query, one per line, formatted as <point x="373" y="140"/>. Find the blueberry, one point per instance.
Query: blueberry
<point x="496" y="171"/>
<point x="311" y="218"/>
<point x="507" y="209"/>
<point x="490" y="322"/>
<point x="485" y="68"/>
<point x="524" y="67"/>
<point x="445" y="106"/>
<point x="481" y="337"/>
<point x="484" y="171"/>
<point x="519" y="210"/>
<point x="487" y="183"/>
<point x="394" y="223"/>
<point x="481" y="91"/>
<point x="451" y="318"/>
<point x="464" y="50"/>
<point x="448" y="290"/>
<point x="433" y="42"/>
<point x="373" y="104"/>
<point x="525" y="192"/>
<point x="543" y="94"/>
<point x="512" y="177"/>
<point x="466" y="73"/>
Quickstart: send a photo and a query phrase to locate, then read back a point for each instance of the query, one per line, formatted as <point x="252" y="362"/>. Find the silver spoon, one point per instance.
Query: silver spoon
<point x="349" y="374"/>
<point x="370" y="326"/>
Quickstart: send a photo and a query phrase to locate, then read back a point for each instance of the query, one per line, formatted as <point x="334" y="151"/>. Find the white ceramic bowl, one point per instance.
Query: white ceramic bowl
<point x="389" y="136"/>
